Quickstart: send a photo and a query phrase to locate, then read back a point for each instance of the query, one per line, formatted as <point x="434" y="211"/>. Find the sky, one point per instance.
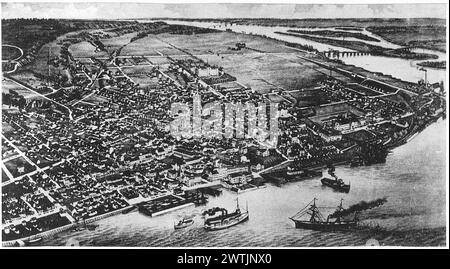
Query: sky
<point x="117" y="10"/>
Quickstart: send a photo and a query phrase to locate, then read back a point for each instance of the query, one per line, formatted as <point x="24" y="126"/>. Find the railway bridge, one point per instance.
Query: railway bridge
<point x="339" y="54"/>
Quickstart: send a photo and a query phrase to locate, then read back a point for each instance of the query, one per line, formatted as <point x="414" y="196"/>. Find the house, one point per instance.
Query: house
<point x="239" y="178"/>
<point x="330" y="135"/>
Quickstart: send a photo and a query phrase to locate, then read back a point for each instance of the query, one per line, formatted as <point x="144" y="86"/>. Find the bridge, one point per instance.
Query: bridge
<point x="338" y="54"/>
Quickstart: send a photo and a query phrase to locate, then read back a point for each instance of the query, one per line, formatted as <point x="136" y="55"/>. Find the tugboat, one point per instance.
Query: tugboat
<point x="183" y="223"/>
<point x="336" y="183"/>
<point x="225" y="219"/>
<point x="317" y="222"/>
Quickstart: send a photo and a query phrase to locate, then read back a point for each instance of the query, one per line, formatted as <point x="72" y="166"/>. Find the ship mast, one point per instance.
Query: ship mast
<point x="314" y="212"/>
<point x="310" y="209"/>
<point x="339" y="209"/>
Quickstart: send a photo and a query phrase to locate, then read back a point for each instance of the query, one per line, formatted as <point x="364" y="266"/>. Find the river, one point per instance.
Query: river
<point x="403" y="69"/>
<point x="413" y="180"/>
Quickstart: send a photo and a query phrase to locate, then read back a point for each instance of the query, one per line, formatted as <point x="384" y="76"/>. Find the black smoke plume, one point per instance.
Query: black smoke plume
<point x="331" y="170"/>
<point x="361" y="206"/>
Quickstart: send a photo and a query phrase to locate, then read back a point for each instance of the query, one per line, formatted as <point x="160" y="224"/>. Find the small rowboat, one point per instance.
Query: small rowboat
<point x="183" y="223"/>
<point x="33" y="242"/>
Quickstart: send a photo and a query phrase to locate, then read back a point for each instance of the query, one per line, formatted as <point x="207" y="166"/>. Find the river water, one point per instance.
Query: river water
<point x="413" y="180"/>
<point x="403" y="69"/>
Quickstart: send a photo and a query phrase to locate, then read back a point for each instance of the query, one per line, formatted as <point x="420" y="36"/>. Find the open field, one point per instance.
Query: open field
<point x="425" y="36"/>
<point x="263" y="72"/>
<point x="423" y="32"/>
<point x="158" y="60"/>
<point x="10" y="53"/>
<point x="31" y="80"/>
<point x="85" y="49"/>
<point x="19" y="166"/>
<point x="8" y="85"/>
<point x="219" y="43"/>
<point x="149" y="46"/>
<point x="8" y="151"/>
<point x="140" y="75"/>
<point x="279" y="67"/>
<point x="40" y="64"/>
<point x="117" y="41"/>
<point x="274" y="66"/>
<point x="231" y="85"/>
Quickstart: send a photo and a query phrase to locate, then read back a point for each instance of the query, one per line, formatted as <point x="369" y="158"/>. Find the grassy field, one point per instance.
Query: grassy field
<point x="8" y="85"/>
<point x="149" y="46"/>
<point x="139" y="74"/>
<point x="31" y="80"/>
<point x="117" y="41"/>
<point x="264" y="65"/>
<point x="425" y="36"/>
<point x="48" y="51"/>
<point x="230" y="85"/>
<point x="85" y="49"/>
<point x="279" y="67"/>
<point x="219" y="43"/>
<point x="158" y="60"/>
<point x="14" y="164"/>
<point x="264" y="72"/>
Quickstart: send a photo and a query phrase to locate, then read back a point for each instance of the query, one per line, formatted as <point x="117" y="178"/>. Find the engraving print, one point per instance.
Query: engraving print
<point x="224" y="125"/>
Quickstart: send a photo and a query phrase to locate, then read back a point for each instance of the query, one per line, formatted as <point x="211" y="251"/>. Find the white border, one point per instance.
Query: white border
<point x="279" y="2"/>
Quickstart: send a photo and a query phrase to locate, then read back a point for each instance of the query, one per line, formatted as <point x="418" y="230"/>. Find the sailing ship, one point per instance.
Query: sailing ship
<point x="316" y="221"/>
<point x="335" y="183"/>
<point x="224" y="219"/>
<point x="183" y="223"/>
